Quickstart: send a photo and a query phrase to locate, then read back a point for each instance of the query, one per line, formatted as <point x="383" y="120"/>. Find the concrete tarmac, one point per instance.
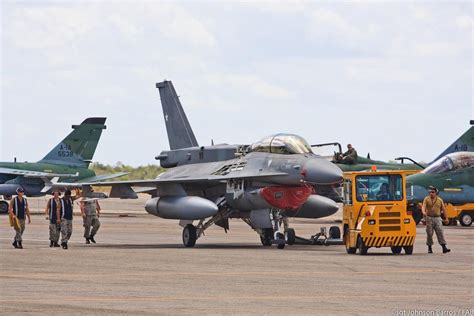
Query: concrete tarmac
<point x="140" y="266"/>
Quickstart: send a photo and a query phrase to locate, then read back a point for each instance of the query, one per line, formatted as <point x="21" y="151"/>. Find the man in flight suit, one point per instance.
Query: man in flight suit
<point x="53" y="214"/>
<point x="67" y="209"/>
<point x="90" y="210"/>
<point x="432" y="208"/>
<point x="17" y="211"/>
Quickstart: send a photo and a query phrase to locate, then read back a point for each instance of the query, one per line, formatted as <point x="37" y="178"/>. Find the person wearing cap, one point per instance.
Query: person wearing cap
<point x="433" y="207"/>
<point x="53" y="214"/>
<point x="350" y="156"/>
<point x="67" y="208"/>
<point x="18" y="211"/>
<point x="90" y="211"/>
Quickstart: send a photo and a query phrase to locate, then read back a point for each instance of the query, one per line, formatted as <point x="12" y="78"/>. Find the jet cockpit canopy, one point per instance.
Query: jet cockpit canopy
<point x="286" y="144"/>
<point x="453" y="161"/>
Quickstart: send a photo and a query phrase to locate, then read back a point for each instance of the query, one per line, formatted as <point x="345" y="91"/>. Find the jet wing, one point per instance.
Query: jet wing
<point x="35" y="174"/>
<point x="184" y="179"/>
<point x="123" y="189"/>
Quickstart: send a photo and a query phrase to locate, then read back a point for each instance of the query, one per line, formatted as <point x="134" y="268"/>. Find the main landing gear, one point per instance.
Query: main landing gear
<point x="192" y="233"/>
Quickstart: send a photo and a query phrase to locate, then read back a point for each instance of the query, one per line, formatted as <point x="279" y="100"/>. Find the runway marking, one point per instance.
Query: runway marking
<point x="55" y="275"/>
<point x="277" y="296"/>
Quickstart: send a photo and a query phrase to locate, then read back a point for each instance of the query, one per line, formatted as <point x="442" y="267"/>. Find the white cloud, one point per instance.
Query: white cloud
<point x="178" y="23"/>
<point x="464" y="22"/>
<point x="49" y="26"/>
<point x="438" y="48"/>
<point x="331" y="26"/>
<point x="249" y="83"/>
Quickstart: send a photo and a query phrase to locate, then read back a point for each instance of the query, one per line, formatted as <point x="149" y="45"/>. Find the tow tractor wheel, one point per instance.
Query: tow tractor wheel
<point x="266" y="239"/>
<point x="334" y="232"/>
<point x="3" y="207"/>
<point x="290" y="236"/>
<point x="408" y="250"/>
<point x="465" y="219"/>
<point x="189" y="236"/>
<point x="362" y="247"/>
<point x="347" y="242"/>
<point x="396" y="249"/>
<point x="280" y="236"/>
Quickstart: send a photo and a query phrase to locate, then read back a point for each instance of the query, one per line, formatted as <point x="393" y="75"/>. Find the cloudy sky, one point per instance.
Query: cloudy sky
<point x="392" y="78"/>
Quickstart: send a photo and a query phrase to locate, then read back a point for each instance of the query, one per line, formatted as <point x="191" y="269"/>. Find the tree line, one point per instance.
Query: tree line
<point x="134" y="173"/>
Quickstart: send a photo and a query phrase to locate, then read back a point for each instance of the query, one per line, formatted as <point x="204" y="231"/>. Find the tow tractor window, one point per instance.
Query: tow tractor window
<point x="348" y="192"/>
<point x="379" y="188"/>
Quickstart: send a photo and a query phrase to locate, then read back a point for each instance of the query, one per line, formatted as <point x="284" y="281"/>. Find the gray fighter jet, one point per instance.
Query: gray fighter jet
<point x="262" y="184"/>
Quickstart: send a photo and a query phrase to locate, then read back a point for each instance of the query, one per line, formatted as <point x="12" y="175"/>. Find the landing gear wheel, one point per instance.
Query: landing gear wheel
<point x="347" y="242"/>
<point x="362" y="247"/>
<point x="465" y="219"/>
<point x="189" y="236"/>
<point x="280" y="237"/>
<point x="396" y="249"/>
<point x="3" y="207"/>
<point x="408" y="250"/>
<point x="334" y="232"/>
<point x="290" y="236"/>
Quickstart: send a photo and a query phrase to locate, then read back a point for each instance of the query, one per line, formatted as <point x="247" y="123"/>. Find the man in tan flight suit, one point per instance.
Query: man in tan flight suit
<point x="433" y="207"/>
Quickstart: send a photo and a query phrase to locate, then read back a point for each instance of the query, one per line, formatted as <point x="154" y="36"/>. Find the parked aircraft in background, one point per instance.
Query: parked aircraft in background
<point x="67" y="162"/>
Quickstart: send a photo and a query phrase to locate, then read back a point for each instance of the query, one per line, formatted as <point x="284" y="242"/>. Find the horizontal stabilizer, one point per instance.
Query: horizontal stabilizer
<point x="36" y="174"/>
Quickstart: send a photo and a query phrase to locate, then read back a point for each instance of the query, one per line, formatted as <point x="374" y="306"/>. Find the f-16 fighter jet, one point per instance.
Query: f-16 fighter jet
<point x="262" y="184"/>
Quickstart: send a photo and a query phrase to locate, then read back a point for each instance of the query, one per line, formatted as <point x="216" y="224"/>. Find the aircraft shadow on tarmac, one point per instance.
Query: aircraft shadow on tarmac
<point x="230" y="246"/>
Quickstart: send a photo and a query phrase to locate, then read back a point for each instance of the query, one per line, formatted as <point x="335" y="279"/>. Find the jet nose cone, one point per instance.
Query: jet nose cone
<point x="321" y="171"/>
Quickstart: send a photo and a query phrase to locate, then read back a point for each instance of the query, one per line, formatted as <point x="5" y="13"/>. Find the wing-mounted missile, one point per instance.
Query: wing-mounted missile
<point x="181" y="207"/>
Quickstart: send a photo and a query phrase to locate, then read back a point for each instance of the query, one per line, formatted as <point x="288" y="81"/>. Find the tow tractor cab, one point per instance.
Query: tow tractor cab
<point x="375" y="212"/>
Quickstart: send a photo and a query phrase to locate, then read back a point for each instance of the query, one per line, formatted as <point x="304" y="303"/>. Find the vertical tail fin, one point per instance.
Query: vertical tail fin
<point x="180" y="134"/>
<point x="78" y="148"/>
<point x="463" y="143"/>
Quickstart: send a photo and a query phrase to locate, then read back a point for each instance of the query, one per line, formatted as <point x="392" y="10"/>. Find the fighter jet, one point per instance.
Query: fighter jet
<point x="67" y="162"/>
<point x="453" y="176"/>
<point x="262" y="184"/>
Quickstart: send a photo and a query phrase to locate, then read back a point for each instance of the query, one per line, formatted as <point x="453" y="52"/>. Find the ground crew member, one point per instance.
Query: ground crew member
<point x="17" y="211"/>
<point x="67" y="208"/>
<point x="433" y="207"/>
<point x="90" y="210"/>
<point x="53" y="210"/>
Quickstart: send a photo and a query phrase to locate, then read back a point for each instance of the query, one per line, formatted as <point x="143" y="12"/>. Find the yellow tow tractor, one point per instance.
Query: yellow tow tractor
<point x="375" y="212"/>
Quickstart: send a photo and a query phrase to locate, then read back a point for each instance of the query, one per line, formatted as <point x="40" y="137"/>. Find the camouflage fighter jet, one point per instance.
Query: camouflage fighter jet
<point x="67" y="162"/>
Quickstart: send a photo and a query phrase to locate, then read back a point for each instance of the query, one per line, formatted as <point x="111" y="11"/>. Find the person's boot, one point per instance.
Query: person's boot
<point x="87" y="241"/>
<point x="64" y="245"/>
<point x="92" y="239"/>
<point x="51" y="243"/>
<point x="445" y="249"/>
<point x="15" y="244"/>
<point x="430" y="250"/>
<point x="56" y="244"/>
<point x="20" y="245"/>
